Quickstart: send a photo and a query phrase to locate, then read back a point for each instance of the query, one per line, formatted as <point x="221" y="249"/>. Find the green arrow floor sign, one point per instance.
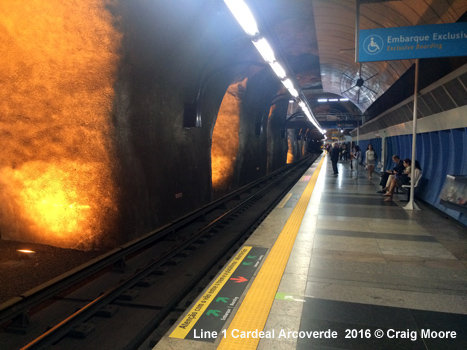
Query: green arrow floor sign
<point x="226" y="290"/>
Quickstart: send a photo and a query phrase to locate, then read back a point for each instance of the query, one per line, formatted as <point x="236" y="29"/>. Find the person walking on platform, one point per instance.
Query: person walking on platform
<point x="370" y="160"/>
<point x="335" y="158"/>
<point x="357" y="158"/>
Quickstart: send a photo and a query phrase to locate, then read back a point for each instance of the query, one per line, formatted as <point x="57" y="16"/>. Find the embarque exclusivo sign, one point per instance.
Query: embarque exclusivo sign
<point x="425" y="41"/>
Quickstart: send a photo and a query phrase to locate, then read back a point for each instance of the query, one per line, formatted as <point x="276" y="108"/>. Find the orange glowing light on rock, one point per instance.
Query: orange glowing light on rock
<point x="58" y="64"/>
<point x="24" y="254"/>
<point x="290" y="147"/>
<point x="225" y="139"/>
<point x="27" y="251"/>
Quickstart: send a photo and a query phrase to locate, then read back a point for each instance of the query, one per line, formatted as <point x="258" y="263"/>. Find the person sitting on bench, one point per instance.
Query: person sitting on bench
<point x="398" y="180"/>
<point x="404" y="179"/>
<point x="397" y="170"/>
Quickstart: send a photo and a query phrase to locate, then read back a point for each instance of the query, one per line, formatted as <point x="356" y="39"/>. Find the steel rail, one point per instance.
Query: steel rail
<point x="22" y="304"/>
<point x="60" y="330"/>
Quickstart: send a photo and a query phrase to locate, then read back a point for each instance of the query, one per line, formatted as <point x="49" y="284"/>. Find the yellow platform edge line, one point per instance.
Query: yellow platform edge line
<point x="284" y="200"/>
<point x="255" y="308"/>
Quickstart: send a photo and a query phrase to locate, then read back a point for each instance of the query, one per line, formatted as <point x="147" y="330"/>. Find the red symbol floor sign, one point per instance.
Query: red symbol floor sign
<point x="240" y="279"/>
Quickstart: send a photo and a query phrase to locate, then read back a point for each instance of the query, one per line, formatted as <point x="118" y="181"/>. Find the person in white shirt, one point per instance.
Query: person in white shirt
<point x="370" y="159"/>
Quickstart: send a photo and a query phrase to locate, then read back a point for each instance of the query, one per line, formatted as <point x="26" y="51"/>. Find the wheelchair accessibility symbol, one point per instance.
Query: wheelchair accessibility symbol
<point x="373" y="45"/>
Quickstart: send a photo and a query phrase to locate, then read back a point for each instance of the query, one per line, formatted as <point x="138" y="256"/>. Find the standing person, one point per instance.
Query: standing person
<point x="370" y="159"/>
<point x="335" y="158"/>
<point x="344" y="152"/>
<point x="357" y="156"/>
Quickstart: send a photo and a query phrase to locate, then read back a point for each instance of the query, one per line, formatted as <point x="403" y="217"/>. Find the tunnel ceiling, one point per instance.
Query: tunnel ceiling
<point x="317" y="38"/>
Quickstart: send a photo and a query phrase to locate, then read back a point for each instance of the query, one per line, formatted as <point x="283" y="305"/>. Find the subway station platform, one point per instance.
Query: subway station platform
<point x="335" y="267"/>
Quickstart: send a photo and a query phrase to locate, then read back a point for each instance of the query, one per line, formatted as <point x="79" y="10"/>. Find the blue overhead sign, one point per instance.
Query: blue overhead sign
<point x="436" y="40"/>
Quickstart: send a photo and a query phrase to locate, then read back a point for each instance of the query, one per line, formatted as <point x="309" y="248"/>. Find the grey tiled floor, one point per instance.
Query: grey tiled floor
<point x="362" y="263"/>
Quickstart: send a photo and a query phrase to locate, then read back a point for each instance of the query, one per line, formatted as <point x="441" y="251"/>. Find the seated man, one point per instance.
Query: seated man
<point x="404" y="179"/>
<point x="397" y="170"/>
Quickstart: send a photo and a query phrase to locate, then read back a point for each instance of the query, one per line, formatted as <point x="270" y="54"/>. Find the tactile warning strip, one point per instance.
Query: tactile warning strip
<point x="255" y="308"/>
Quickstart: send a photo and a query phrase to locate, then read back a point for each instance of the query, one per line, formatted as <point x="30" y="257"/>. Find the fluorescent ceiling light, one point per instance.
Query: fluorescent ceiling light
<point x="310" y="117"/>
<point x="245" y="18"/>
<point x="243" y="15"/>
<point x="293" y="92"/>
<point x="265" y="50"/>
<point x="288" y="84"/>
<point x="322" y="100"/>
<point x="333" y="100"/>
<point x="277" y="68"/>
<point x="343" y="99"/>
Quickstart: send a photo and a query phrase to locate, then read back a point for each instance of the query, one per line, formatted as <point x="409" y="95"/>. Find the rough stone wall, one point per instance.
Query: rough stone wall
<point x="252" y="159"/>
<point x="165" y="168"/>
<point x="225" y="140"/>
<point x="277" y="142"/>
<point x="169" y="52"/>
<point x="58" y="67"/>
<point x="124" y="70"/>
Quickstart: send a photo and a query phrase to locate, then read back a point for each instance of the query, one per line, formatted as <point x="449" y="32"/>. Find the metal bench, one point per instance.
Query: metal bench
<point x="407" y="188"/>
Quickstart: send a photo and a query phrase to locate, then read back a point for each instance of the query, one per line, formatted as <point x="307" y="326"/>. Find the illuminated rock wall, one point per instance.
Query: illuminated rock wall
<point x="225" y="139"/>
<point x="58" y="65"/>
<point x="94" y="150"/>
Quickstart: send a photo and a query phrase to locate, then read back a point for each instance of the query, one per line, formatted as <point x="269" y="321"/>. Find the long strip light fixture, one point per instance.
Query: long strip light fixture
<point x="245" y="18"/>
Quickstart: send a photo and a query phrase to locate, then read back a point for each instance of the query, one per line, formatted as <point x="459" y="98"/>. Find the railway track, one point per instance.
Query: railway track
<point x="130" y="296"/>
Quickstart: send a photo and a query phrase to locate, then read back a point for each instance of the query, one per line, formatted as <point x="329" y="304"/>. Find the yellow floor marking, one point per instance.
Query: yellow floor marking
<point x="284" y="200"/>
<point x="188" y="322"/>
<point x="255" y="308"/>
